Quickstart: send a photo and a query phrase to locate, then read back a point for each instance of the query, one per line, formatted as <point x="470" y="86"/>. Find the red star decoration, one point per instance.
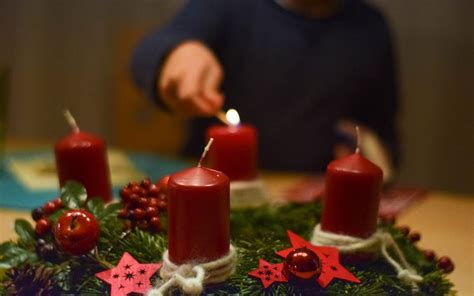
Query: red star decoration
<point x="268" y="273"/>
<point x="329" y="256"/>
<point x="129" y="276"/>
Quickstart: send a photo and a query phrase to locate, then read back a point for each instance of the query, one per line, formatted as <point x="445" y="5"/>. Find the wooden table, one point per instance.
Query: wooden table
<point x="446" y="222"/>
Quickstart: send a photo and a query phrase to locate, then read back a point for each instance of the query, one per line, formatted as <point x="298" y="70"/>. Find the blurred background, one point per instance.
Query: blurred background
<point x="75" y="54"/>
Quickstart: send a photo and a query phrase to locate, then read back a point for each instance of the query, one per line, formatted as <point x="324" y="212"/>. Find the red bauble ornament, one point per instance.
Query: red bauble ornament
<point x="77" y="232"/>
<point x="302" y="263"/>
<point x="329" y="256"/>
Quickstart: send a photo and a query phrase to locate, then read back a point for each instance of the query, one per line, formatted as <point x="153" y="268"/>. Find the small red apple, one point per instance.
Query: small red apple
<point x="77" y="232"/>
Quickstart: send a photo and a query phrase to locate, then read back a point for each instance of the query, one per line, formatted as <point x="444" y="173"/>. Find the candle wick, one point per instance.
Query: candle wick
<point x="204" y="153"/>
<point x="71" y="121"/>
<point x="222" y="117"/>
<point x="358" y="139"/>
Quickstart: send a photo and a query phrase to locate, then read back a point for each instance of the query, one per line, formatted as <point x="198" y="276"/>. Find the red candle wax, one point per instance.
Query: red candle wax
<point x="352" y="196"/>
<point x="82" y="157"/>
<point x="234" y="151"/>
<point x="198" y="215"/>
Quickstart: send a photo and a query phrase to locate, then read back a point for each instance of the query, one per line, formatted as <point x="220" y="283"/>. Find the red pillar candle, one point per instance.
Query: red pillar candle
<point x="198" y="215"/>
<point x="352" y="196"/>
<point x="82" y="157"/>
<point x="234" y="150"/>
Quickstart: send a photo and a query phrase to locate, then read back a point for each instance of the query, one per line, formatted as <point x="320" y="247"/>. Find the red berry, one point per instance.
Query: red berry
<point x="389" y="219"/>
<point x="405" y="230"/>
<point x="429" y="255"/>
<point x="143" y="225"/>
<point x="125" y="194"/>
<point x="58" y="203"/>
<point x="445" y="264"/>
<point x="134" y="198"/>
<point x="143" y="202"/>
<point x="42" y="227"/>
<point x="77" y="232"/>
<point x="136" y="189"/>
<point x="414" y="237"/>
<point x="151" y="212"/>
<point x="145" y="183"/>
<point x="143" y="192"/>
<point x="37" y="214"/>
<point x="127" y="225"/>
<point x="49" y="208"/>
<point x="153" y="190"/>
<point x="131" y="215"/>
<point x="139" y="214"/>
<point x="123" y="213"/>
<point x="162" y="196"/>
<point x="132" y="184"/>
<point x="162" y="205"/>
<point x="47" y="252"/>
<point x="153" y="202"/>
<point x="155" y="223"/>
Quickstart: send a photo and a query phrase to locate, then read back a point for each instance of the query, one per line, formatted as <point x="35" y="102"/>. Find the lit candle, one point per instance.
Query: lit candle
<point x="82" y="157"/>
<point x="352" y="196"/>
<point x="234" y="150"/>
<point x="198" y="214"/>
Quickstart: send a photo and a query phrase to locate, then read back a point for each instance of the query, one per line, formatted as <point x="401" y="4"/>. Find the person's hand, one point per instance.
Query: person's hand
<point x="190" y="79"/>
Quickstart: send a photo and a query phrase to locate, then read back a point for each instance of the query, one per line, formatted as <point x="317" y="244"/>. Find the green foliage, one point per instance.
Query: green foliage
<point x="26" y="234"/>
<point x="73" y="195"/>
<point x="13" y="255"/>
<point x="55" y="216"/>
<point x="95" y="206"/>
<point x="257" y="233"/>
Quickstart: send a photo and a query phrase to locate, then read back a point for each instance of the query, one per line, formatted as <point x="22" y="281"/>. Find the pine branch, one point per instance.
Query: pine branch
<point x="257" y="233"/>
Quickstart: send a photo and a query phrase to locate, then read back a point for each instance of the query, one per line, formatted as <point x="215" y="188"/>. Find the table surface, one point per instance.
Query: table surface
<point x="446" y="222"/>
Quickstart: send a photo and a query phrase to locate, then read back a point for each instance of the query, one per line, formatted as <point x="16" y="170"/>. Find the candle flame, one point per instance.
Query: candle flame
<point x="233" y="117"/>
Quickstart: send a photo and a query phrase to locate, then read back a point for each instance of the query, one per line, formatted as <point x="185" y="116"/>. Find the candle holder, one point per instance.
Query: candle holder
<point x="379" y="243"/>
<point x="247" y="194"/>
<point x="191" y="277"/>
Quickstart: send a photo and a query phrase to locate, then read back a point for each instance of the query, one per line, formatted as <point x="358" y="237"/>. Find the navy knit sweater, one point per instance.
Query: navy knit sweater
<point x="292" y="77"/>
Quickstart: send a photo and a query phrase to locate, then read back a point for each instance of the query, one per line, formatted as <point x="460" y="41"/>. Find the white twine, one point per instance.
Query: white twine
<point x="191" y="278"/>
<point x="379" y="241"/>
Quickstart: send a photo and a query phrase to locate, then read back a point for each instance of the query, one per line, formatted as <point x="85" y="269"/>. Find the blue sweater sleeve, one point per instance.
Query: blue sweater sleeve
<point x="378" y="108"/>
<point x="198" y="20"/>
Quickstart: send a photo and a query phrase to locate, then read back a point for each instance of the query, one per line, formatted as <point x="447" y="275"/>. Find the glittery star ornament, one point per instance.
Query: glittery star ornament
<point x="129" y="276"/>
<point x="329" y="256"/>
<point x="268" y="273"/>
